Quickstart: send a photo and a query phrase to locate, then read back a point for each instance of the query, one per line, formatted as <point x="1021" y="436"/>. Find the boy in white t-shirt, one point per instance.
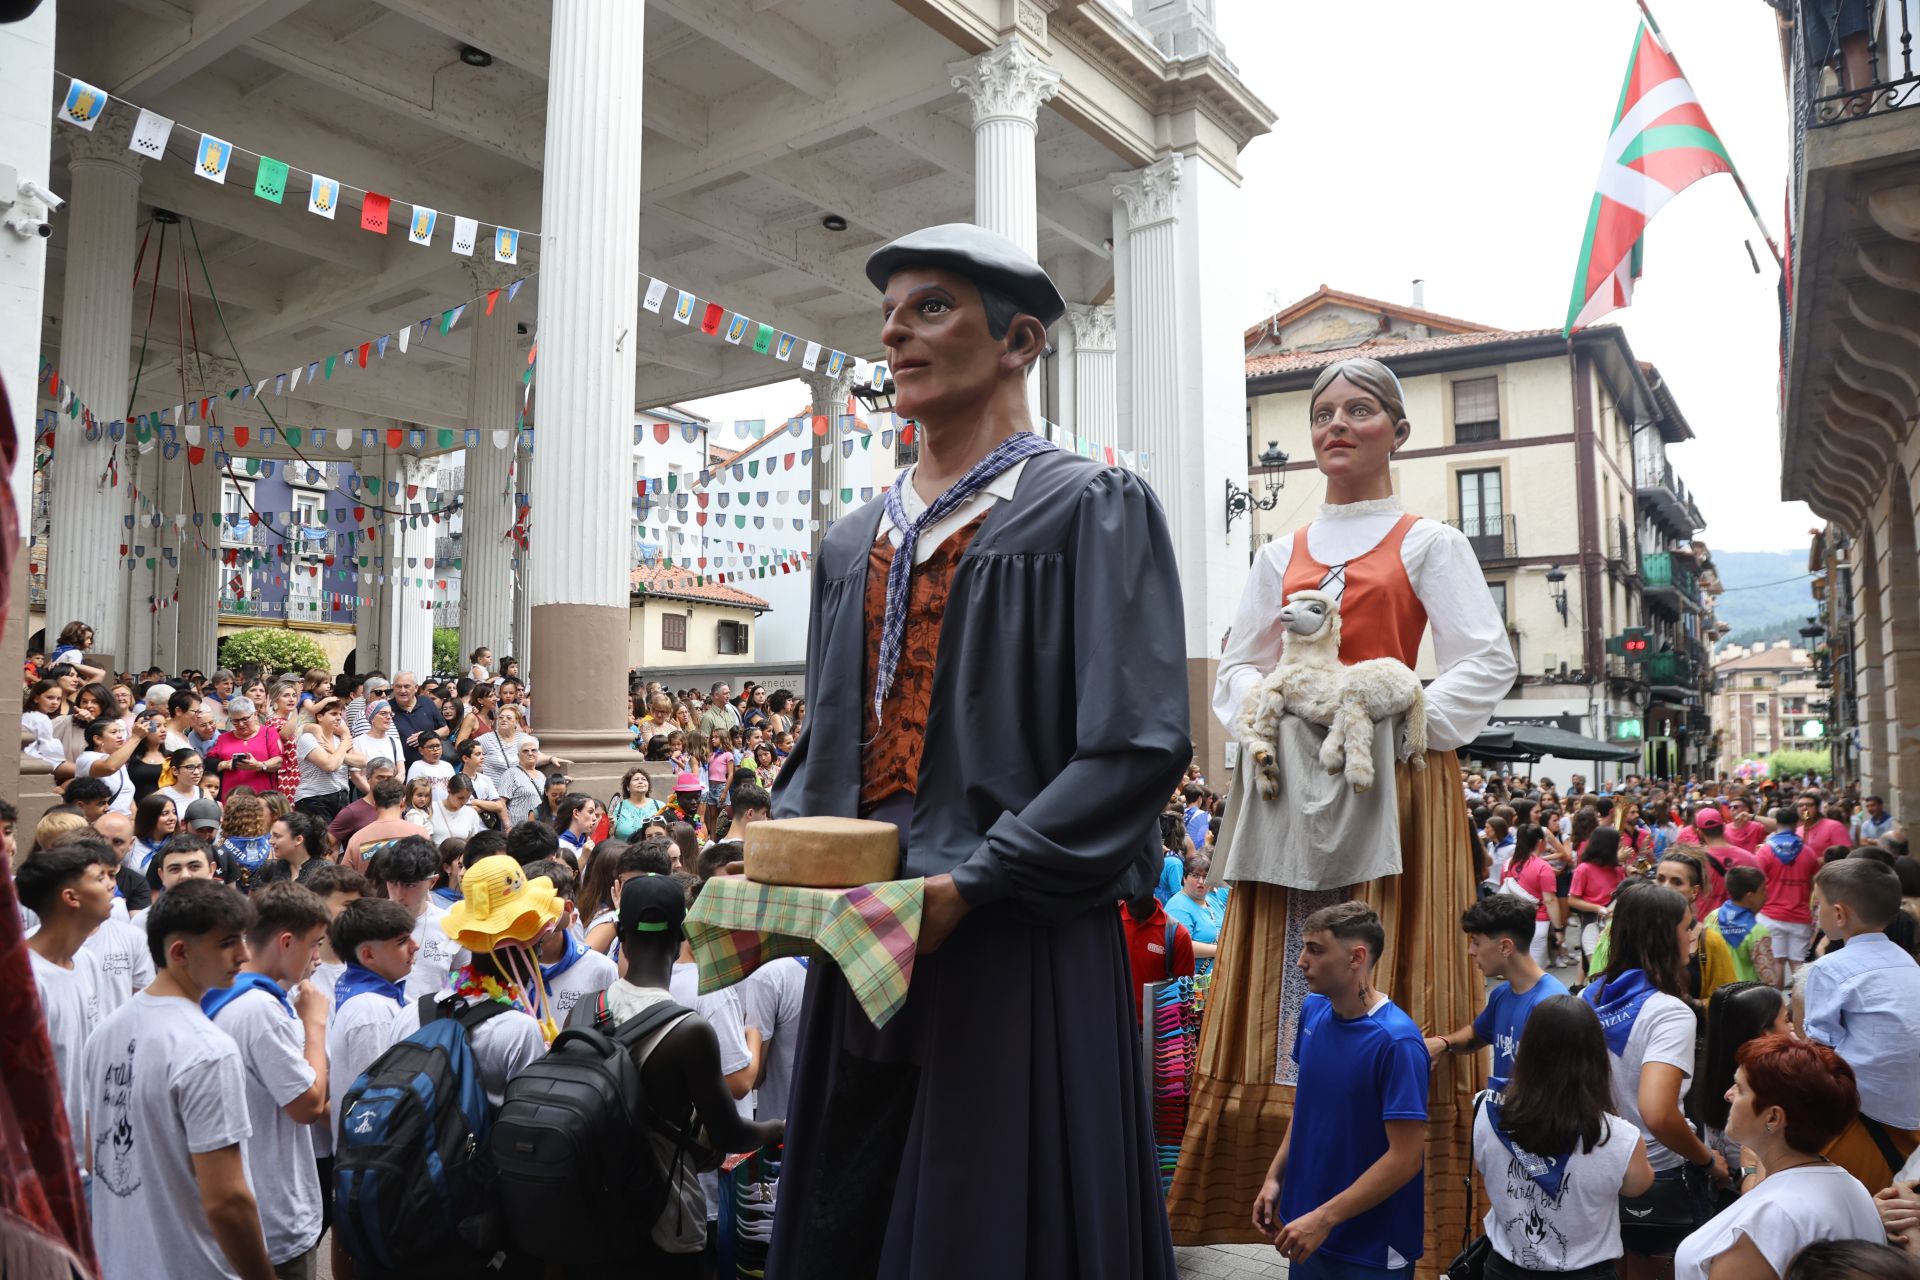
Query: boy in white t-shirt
<point x="283" y="1042"/>
<point x="497" y="896"/>
<point x="432" y="765"/>
<point x="171" y="1194"/>
<point x="70" y="887"/>
<point x="408" y="868"/>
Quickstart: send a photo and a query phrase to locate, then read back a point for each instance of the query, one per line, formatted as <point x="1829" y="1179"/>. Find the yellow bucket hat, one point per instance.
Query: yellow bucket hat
<point x="499" y="904"/>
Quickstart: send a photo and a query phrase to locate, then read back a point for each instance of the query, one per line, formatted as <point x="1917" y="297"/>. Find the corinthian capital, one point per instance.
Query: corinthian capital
<point x="1150" y="194"/>
<point x="1092" y="327"/>
<point x="107" y="141"/>
<point x="1006" y="82"/>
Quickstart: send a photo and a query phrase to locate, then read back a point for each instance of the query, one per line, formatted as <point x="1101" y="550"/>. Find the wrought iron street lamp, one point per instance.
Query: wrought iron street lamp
<point x="1557" y="590"/>
<point x="1241" y="502"/>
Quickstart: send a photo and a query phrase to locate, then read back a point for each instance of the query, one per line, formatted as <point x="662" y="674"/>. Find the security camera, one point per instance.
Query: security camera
<point x="40" y="193"/>
<point x="26" y="228"/>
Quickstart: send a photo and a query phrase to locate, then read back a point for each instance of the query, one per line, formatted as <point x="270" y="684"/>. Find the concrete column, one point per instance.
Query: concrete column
<point x="85" y="578"/>
<point x="829" y="397"/>
<point x="522" y="598"/>
<point x="1869" y="678"/>
<point x="1092" y="375"/>
<point x="1893" y="517"/>
<point x="1006" y="86"/>
<point x="142" y="472"/>
<point x="395" y="631"/>
<point x="486" y="515"/>
<point x="1183" y="394"/>
<point x="589" y="295"/>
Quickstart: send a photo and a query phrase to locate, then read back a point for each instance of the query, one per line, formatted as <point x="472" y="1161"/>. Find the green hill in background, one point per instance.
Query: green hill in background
<point x="1767" y="596"/>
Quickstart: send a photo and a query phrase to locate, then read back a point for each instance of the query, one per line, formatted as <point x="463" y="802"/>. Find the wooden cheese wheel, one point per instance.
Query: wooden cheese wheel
<point x="821" y="853"/>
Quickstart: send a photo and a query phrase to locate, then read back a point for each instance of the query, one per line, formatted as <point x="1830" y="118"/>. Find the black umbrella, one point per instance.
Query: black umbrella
<point x="1530" y="742"/>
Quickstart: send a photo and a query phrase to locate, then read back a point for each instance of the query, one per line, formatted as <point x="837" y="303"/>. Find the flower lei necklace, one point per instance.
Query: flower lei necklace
<point x="468" y="982"/>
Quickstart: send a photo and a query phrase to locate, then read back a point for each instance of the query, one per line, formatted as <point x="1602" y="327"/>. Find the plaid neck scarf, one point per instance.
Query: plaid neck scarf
<point x="893" y="629"/>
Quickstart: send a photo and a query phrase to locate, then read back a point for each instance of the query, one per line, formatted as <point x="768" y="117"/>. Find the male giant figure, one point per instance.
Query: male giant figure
<point x="997" y="667"/>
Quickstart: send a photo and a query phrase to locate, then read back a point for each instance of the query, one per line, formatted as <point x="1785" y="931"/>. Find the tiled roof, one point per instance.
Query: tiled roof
<point x="681" y="584"/>
<point x="1388" y="350"/>
<point x="1432" y="319"/>
<point x="1768" y="659"/>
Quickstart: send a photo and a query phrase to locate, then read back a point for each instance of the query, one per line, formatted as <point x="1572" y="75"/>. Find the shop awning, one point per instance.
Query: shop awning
<point x="1531" y="742"/>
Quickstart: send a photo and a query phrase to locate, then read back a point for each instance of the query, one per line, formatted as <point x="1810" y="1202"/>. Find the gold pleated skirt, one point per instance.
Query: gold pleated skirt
<point x="1240" y="1107"/>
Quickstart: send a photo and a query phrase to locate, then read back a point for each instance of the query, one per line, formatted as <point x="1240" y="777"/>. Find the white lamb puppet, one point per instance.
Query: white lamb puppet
<point x="1311" y="683"/>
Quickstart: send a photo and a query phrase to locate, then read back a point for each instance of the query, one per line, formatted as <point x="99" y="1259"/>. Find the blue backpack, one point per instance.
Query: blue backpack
<point x="413" y="1173"/>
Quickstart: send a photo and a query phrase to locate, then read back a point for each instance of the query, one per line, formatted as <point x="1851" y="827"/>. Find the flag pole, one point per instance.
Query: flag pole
<point x="1733" y="169"/>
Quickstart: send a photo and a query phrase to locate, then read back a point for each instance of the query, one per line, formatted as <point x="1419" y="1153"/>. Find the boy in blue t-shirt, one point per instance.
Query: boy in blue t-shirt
<point x="1499" y="932"/>
<point x="1353" y="1204"/>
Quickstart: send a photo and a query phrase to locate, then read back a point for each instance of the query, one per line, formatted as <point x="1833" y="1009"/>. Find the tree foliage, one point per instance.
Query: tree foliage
<point x="446" y="650"/>
<point x="1782" y="765"/>
<point x="275" y="649"/>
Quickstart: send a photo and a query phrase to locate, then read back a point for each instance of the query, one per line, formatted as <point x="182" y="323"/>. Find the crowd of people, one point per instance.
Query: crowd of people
<point x="250" y="883"/>
<point x="1703" y="1010"/>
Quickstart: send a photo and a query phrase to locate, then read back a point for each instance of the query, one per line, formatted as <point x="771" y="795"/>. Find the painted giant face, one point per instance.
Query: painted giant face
<point x="942" y="358"/>
<point x="1353" y="435"/>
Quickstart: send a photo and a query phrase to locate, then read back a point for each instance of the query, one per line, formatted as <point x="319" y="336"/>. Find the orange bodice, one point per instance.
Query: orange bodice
<point x="1380" y="616"/>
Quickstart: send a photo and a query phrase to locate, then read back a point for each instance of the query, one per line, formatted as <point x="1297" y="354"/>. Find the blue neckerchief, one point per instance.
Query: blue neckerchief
<point x="571" y="840"/>
<point x="893" y="625"/>
<point x="575" y="949"/>
<point x="445" y="894"/>
<point x="1546" y="1172"/>
<point x="358" y="979"/>
<point x="1786" y="846"/>
<point x="1618" y="1003"/>
<point x="1735" y="923"/>
<point x="213" y="1001"/>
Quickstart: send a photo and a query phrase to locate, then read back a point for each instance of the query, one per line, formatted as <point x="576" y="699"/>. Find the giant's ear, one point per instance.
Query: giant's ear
<point x="1026" y="342"/>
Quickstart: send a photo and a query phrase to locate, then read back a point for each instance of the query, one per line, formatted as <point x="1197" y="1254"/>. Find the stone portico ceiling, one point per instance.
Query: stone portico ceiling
<point x="762" y="117"/>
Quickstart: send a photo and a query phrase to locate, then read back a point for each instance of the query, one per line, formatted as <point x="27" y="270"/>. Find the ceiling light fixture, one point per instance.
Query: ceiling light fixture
<point x="475" y="57"/>
<point x="834" y="222"/>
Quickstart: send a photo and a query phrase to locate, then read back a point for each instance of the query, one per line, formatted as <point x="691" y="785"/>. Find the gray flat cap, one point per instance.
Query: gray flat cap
<point x="983" y="256"/>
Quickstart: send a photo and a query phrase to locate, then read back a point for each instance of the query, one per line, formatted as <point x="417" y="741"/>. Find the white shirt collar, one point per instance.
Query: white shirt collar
<point x="1001" y="487"/>
<point x="1370" y="507"/>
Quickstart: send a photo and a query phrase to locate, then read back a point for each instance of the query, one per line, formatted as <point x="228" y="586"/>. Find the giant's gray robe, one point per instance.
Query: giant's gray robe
<point x="998" y="1126"/>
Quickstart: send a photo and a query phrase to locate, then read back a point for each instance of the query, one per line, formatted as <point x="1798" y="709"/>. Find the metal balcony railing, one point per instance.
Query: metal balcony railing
<point x="1493" y="537"/>
<point x="1620" y="544"/>
<point x="1670" y="669"/>
<point x="1844" y="75"/>
<point x="1660" y="572"/>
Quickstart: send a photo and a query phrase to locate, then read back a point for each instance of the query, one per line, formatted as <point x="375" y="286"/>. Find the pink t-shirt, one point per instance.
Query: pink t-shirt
<point x="1746" y="835"/>
<point x="720" y="766"/>
<point x="1713" y="895"/>
<point x="1539" y="879"/>
<point x="1595" y="883"/>
<point x="1789" y="885"/>
<point x="264" y="746"/>
<point x="1823" y="835"/>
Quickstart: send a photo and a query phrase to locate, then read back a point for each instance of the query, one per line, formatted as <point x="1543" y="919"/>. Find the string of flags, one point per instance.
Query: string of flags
<point x="212" y="158"/>
<point x="192" y="423"/>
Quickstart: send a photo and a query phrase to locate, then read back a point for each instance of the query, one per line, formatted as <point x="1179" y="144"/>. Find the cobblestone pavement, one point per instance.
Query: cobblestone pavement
<point x="1230" y="1262"/>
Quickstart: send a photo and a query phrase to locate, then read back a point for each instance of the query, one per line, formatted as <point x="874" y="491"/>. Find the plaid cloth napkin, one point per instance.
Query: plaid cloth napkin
<point x="871" y="932"/>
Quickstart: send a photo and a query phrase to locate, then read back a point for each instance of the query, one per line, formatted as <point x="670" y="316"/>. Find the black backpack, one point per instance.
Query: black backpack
<point x="570" y="1142"/>
<point x="413" y="1177"/>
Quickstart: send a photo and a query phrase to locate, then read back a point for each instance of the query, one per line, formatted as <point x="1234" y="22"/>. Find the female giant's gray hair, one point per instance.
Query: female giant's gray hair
<point x="1371" y="377"/>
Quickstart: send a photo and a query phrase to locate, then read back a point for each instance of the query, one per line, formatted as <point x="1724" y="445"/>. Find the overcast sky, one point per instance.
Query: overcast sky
<point x="1460" y="143"/>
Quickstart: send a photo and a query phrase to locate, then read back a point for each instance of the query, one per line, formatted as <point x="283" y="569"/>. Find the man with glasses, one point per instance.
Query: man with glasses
<point x="415" y="718"/>
<point x="248" y="753"/>
<point x="1744" y="830"/>
<point x="1819" y="832"/>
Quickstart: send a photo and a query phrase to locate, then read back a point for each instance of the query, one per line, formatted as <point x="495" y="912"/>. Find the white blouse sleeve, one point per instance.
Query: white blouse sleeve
<point x="1254" y="644"/>
<point x="1470" y="645"/>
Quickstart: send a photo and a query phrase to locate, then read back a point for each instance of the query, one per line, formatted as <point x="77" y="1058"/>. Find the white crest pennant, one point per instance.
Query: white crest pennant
<point x="810" y="358"/>
<point x="150" y="134"/>
<point x="466" y="232"/>
<point x="656" y="291"/>
<point x="405" y="332"/>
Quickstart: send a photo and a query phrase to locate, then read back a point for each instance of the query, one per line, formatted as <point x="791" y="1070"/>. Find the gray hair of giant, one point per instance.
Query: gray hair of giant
<point x="1371" y="377"/>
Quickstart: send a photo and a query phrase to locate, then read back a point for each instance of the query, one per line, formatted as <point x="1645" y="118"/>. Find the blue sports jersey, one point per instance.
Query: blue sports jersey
<point x="1505" y="1016"/>
<point x="1354" y="1075"/>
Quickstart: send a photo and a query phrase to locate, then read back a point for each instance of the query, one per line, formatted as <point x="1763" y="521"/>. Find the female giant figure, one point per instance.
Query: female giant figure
<point x="1399" y="578"/>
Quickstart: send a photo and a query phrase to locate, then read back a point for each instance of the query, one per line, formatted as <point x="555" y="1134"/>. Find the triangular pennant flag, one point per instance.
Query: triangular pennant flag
<point x="401" y="335"/>
<point x="493" y="296"/>
<point x="451" y="316"/>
